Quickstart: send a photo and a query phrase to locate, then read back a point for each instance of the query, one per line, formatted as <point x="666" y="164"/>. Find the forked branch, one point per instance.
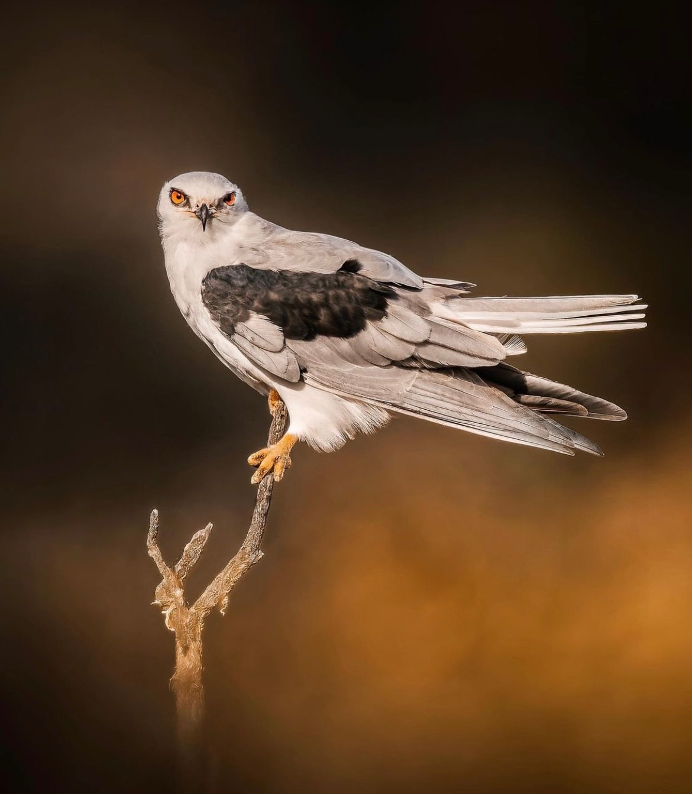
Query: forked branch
<point x="187" y="621"/>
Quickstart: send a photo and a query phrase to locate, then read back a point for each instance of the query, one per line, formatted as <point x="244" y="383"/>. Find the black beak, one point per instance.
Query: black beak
<point x="203" y="214"/>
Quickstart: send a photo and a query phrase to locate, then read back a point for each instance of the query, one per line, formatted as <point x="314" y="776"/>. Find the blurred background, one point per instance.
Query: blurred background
<point x="436" y="611"/>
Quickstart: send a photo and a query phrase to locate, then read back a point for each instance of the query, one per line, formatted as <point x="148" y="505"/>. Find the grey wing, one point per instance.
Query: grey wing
<point x="263" y="342"/>
<point x="347" y="334"/>
<point x="449" y="374"/>
<point x="423" y="366"/>
<point x="277" y="317"/>
<point x="271" y="246"/>
<point x="458" y="397"/>
<point x="249" y="332"/>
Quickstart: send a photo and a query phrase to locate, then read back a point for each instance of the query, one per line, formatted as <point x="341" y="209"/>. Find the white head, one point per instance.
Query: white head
<point x="199" y="204"/>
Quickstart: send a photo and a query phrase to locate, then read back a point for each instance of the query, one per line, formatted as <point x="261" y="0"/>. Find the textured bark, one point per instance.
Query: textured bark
<point x="187" y="621"/>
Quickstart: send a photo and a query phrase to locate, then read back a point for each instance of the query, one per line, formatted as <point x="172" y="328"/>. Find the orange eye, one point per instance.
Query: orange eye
<point x="229" y="199"/>
<point x="177" y="196"/>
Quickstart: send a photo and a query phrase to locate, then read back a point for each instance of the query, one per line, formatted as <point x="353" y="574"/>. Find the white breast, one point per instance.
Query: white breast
<point x="187" y="264"/>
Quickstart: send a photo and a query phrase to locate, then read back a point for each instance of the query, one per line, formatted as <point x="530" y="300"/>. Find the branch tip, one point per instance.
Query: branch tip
<point x="153" y="527"/>
<point x="193" y="550"/>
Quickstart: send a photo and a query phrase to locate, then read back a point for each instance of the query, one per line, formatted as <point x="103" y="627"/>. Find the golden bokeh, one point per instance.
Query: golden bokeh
<point x="435" y="612"/>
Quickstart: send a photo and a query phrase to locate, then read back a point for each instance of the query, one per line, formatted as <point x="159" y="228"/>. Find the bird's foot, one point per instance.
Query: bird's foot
<point x="274" y="402"/>
<point x="275" y="459"/>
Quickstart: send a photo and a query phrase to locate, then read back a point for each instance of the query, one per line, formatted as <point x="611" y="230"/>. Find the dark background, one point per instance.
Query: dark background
<point x="436" y="611"/>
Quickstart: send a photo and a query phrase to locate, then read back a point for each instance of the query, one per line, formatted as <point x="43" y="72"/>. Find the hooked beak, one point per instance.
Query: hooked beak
<point x="203" y="214"/>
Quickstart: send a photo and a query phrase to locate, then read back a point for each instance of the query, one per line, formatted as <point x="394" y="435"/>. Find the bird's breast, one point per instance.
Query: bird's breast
<point x="186" y="267"/>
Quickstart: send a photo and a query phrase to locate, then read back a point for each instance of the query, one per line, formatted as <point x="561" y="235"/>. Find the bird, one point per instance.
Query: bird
<point x="344" y="336"/>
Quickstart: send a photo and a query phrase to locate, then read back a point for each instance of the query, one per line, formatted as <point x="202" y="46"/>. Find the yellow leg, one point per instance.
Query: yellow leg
<point x="274" y="401"/>
<point x="275" y="459"/>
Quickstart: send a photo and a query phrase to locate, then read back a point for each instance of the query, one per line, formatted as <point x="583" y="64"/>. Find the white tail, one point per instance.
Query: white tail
<point x="550" y="315"/>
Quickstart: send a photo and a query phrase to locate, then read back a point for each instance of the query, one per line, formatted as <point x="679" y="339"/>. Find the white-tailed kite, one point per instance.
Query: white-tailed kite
<point x="344" y="335"/>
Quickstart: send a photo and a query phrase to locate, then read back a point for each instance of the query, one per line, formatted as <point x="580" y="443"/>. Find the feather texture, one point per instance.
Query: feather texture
<point x="280" y="363"/>
<point x="551" y="315"/>
<point x="404" y="323"/>
<point x="455" y="398"/>
<point x="518" y="383"/>
<point x="261" y="332"/>
<point x="347" y="334"/>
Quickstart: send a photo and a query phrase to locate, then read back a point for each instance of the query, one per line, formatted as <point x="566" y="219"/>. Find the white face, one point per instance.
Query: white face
<point x="198" y="203"/>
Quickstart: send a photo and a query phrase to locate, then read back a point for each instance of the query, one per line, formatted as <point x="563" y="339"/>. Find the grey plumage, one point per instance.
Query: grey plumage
<point x="415" y="362"/>
<point x="261" y="332"/>
<point x="405" y="324"/>
<point x="520" y="385"/>
<point x="454" y="397"/>
<point x="347" y="334"/>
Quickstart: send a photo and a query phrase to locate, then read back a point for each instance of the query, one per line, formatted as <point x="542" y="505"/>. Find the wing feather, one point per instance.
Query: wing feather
<point x="387" y="345"/>
<point x="281" y="363"/>
<point x="336" y="351"/>
<point x="363" y="345"/>
<point x="260" y="331"/>
<point x="405" y="324"/>
<point x="274" y="247"/>
<point x="455" y="398"/>
<point x="465" y="340"/>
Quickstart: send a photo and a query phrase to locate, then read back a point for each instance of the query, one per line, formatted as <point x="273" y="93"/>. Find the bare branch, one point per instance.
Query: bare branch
<point x="217" y="592"/>
<point x="187" y="622"/>
<point x="153" y="545"/>
<point x="191" y="553"/>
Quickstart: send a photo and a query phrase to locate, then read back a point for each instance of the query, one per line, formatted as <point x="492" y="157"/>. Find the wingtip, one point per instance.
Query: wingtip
<point x="613" y="417"/>
<point x="588" y="446"/>
<point x="614" y="414"/>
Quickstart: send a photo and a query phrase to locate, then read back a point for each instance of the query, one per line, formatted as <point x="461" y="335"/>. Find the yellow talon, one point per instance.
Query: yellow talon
<point x="275" y="459"/>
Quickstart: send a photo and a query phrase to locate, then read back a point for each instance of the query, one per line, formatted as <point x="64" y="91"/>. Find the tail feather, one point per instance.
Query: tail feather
<point x="550" y="315"/>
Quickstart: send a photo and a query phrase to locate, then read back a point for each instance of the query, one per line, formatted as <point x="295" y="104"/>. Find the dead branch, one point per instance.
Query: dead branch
<point x="187" y="621"/>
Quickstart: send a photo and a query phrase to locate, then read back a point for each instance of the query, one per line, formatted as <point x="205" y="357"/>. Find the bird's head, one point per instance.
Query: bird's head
<point x="199" y="203"/>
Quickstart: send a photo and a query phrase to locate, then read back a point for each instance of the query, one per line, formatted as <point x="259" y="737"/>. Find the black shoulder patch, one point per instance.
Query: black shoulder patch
<point x="351" y="266"/>
<point x="303" y="304"/>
